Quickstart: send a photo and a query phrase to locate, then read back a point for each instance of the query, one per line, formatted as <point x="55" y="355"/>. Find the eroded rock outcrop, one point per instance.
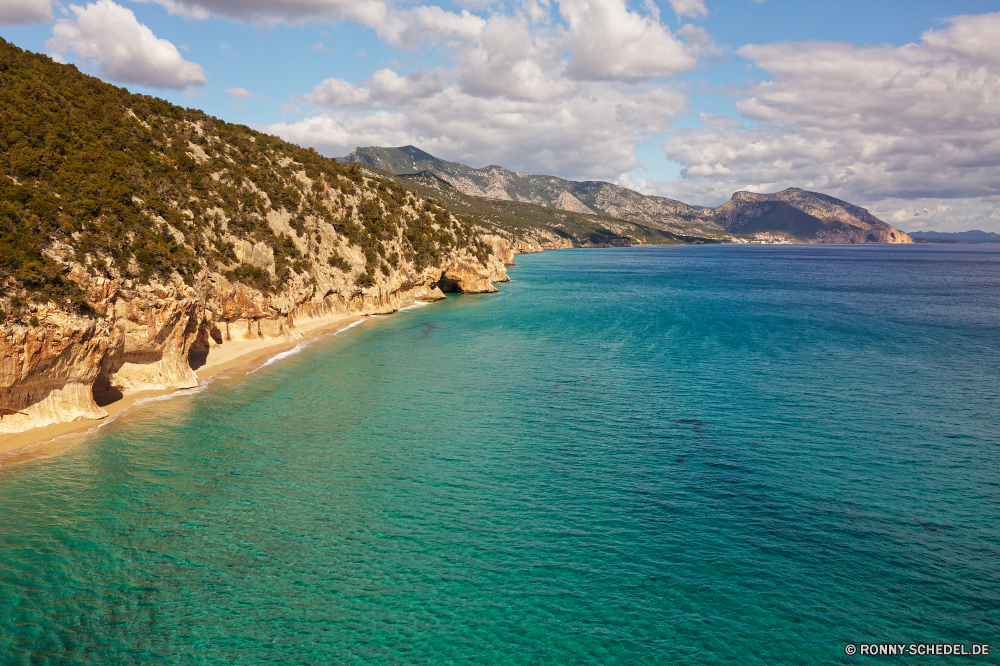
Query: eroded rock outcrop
<point x="146" y="337"/>
<point x="47" y="371"/>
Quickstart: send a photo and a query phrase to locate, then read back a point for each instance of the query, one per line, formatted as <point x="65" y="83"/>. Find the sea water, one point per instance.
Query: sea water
<point x="690" y="455"/>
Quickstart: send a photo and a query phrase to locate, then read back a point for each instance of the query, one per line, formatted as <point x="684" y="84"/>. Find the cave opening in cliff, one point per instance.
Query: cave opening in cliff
<point x="447" y="285"/>
<point x="105" y="394"/>
<point x="198" y="355"/>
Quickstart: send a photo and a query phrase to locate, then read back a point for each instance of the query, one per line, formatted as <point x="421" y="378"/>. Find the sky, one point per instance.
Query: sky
<point x="891" y="105"/>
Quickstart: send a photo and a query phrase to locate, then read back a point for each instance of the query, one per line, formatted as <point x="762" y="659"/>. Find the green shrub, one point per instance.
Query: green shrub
<point x="252" y="276"/>
<point x="338" y="261"/>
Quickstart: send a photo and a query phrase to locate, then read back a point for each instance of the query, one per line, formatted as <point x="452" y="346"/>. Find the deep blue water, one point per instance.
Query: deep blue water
<point x="692" y="455"/>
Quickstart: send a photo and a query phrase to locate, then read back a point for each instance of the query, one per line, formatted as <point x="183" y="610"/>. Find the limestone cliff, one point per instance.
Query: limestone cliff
<point x="151" y="336"/>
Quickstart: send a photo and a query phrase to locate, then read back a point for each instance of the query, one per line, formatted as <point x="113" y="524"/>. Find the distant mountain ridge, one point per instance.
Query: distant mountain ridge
<point x="793" y="213"/>
<point x="496" y="182"/>
<point x="974" y="236"/>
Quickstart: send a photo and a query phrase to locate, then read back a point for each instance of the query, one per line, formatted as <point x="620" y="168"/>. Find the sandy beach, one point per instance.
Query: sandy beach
<point x="238" y="357"/>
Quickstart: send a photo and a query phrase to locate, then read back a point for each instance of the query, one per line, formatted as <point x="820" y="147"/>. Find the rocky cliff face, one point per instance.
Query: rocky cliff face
<point x="530" y="227"/>
<point x="658" y="212"/>
<point x="151" y="336"/>
<point x="137" y="236"/>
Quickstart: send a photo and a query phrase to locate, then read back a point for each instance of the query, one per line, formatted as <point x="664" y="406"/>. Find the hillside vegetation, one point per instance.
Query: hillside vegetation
<point x="139" y="241"/>
<point x="136" y="188"/>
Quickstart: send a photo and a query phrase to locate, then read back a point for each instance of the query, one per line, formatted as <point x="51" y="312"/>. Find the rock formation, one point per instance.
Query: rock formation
<point x="145" y="337"/>
<point x="811" y="216"/>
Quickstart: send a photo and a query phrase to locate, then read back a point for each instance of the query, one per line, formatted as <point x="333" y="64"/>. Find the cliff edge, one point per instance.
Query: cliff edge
<point x="137" y="236"/>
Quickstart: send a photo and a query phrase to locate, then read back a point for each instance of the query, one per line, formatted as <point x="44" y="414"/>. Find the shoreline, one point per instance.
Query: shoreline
<point x="246" y="356"/>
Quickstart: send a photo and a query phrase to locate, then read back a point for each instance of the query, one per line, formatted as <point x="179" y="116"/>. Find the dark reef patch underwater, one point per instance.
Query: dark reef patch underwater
<point x="703" y="455"/>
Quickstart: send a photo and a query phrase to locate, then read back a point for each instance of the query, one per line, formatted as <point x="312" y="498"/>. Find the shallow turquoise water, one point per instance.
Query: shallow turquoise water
<point x="731" y="455"/>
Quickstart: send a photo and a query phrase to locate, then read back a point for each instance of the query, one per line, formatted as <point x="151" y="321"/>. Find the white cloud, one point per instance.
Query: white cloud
<point x="389" y="87"/>
<point x="610" y="42"/>
<point x="423" y="24"/>
<point x="692" y="8"/>
<point x="971" y="37"/>
<point x="337" y="93"/>
<point x="588" y="132"/>
<point x="513" y="60"/>
<point x="261" y="11"/>
<point x="399" y="26"/>
<point x="939" y="214"/>
<point x="509" y="94"/>
<point x="241" y="93"/>
<point x="25" y="12"/>
<point x="537" y="11"/>
<point x="110" y="37"/>
<point x="865" y="123"/>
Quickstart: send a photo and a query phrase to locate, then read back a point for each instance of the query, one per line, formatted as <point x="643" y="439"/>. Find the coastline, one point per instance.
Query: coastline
<point x="238" y="358"/>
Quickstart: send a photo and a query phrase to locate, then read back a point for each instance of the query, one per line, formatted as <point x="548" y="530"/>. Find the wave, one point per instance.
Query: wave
<point x="416" y="304"/>
<point x="277" y="357"/>
<point x="352" y="325"/>
<point x="302" y="345"/>
<point x="194" y="390"/>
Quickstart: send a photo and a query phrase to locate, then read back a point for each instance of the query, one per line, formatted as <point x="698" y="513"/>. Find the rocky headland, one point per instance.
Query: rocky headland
<point x="140" y="240"/>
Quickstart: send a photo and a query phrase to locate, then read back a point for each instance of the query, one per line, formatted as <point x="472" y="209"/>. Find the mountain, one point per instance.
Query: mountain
<point x="532" y="227"/>
<point x="794" y="213"/>
<point x="588" y="197"/>
<point x="974" y="236"/>
<point x="137" y="236"/>
<point x="805" y="216"/>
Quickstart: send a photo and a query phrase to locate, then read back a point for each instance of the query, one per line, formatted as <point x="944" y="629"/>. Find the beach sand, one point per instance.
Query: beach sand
<point x="236" y="357"/>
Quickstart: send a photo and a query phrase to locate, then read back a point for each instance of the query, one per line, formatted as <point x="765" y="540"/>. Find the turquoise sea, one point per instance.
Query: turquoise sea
<point x="680" y="455"/>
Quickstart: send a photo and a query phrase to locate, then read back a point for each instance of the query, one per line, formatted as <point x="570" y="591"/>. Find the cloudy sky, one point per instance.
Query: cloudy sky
<point x="894" y="105"/>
